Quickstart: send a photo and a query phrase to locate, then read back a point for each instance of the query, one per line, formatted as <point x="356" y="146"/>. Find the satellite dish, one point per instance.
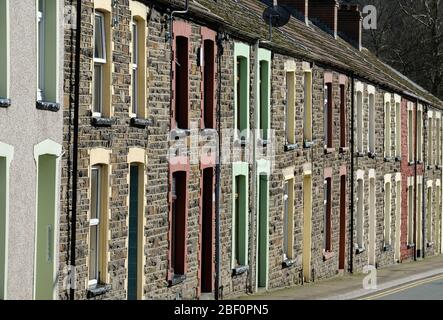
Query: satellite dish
<point x="276" y="16"/>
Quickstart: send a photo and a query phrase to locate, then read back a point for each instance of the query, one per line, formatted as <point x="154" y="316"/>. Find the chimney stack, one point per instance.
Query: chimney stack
<point x="301" y="6"/>
<point x="350" y="24"/>
<point x="324" y="13"/>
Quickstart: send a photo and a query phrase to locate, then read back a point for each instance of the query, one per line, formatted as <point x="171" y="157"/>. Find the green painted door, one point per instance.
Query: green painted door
<point x="133" y="233"/>
<point x="45" y="280"/>
<point x="263" y="232"/>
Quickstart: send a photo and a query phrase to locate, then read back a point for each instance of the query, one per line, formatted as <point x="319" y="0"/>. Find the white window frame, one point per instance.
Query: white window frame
<point x="101" y="62"/>
<point x="388" y="127"/>
<point x="135" y="67"/>
<point x="290" y="107"/>
<point x="307" y="112"/>
<point x="388" y="210"/>
<point x="360" y="218"/>
<point x="96" y="223"/>
<point x="397" y="100"/>
<point x="410" y="118"/>
<point x="371" y="120"/>
<point x="359" y="115"/>
<point x="410" y="203"/>
<point x="41" y="7"/>
<point x="420" y="133"/>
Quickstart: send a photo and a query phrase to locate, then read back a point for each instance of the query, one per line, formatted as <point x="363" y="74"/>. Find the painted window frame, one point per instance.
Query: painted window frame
<point x="388" y="128"/>
<point x="343" y="112"/>
<point x="429" y="212"/>
<point x="100" y="158"/>
<point x="398" y="120"/>
<point x="420" y="133"/>
<point x="438" y="216"/>
<point x="240" y="170"/>
<point x="387" y="210"/>
<point x="291" y="80"/>
<point x="241" y="91"/>
<point x="410" y="206"/>
<point x="360" y="217"/>
<point x="410" y="125"/>
<point x="4" y="49"/>
<point x="327" y="218"/>
<point x="419" y="214"/>
<point x="288" y="214"/>
<point x="209" y="78"/>
<point x="371" y="120"/>
<point x="264" y="94"/>
<point x="103" y="10"/>
<point x="438" y="142"/>
<point x="307" y="110"/>
<point x="359" y="116"/>
<point x="6" y="157"/>
<point x="328" y="112"/>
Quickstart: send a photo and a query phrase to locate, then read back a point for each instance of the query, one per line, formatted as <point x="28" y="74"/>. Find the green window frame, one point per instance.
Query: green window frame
<point x="4" y="49"/>
<point x="240" y="215"/>
<point x="241" y="89"/>
<point x="264" y="93"/>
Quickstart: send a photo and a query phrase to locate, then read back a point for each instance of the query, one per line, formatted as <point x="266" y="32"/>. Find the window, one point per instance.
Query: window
<point x="288" y="220"/>
<point x="4" y="48"/>
<point x="47" y="50"/>
<point x="420" y="134"/>
<point x="387" y="211"/>
<point x="241" y="90"/>
<point x="97" y="226"/>
<point x="343" y="124"/>
<point x="387" y="128"/>
<point x="209" y="84"/>
<point x="419" y="216"/>
<point x="239" y="249"/>
<point x="398" y="217"/>
<point x="360" y="214"/>
<point x="437" y="215"/>
<point x="138" y="68"/>
<point x="437" y="140"/>
<point x="181" y="114"/>
<point x="307" y="120"/>
<point x="397" y="130"/>
<point x="327" y="114"/>
<point x="360" y="122"/>
<point x="178" y="224"/>
<point x="290" y="108"/>
<point x="102" y="72"/>
<point x="429" y="209"/>
<point x="327" y="204"/>
<point x="264" y="98"/>
<point x="410" y="134"/>
<point x="371" y="124"/>
<point x="410" y="214"/>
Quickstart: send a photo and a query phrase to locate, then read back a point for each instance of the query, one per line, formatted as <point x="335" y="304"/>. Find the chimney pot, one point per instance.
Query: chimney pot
<point x="350" y="24"/>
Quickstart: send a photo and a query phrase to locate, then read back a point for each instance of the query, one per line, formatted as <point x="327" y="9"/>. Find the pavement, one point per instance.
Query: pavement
<point x="350" y="286"/>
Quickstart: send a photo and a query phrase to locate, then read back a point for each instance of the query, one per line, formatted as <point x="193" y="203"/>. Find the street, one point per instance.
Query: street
<point x="425" y="289"/>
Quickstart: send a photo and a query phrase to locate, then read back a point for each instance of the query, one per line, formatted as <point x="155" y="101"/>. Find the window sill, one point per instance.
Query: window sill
<point x="419" y="162"/>
<point x="48" y="106"/>
<point x="429" y="244"/>
<point x="328" y="255"/>
<point x="388" y="159"/>
<point x="387" y="247"/>
<point x="288" y="263"/>
<point x="140" y="123"/>
<point x="359" y="154"/>
<point x="241" y="142"/>
<point x="308" y="144"/>
<point x="344" y="149"/>
<point x="372" y="155"/>
<point x="411" y="163"/>
<point x="98" y="290"/>
<point x="5" y="103"/>
<point x="398" y="159"/>
<point x="411" y="245"/>
<point x="430" y="167"/>
<point x="263" y="142"/>
<point x="102" y="122"/>
<point x="177" y="279"/>
<point x="360" y="250"/>
<point x="177" y="133"/>
<point x="291" y="147"/>
<point x="208" y="132"/>
<point x="329" y="150"/>
<point x="239" y="270"/>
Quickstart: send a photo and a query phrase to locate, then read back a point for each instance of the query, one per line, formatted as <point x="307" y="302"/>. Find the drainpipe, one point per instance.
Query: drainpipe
<point x="424" y="191"/>
<point x="220" y="50"/>
<point x="75" y="145"/>
<point x="351" y="245"/>
<point x="253" y="241"/>
<point x="415" y="184"/>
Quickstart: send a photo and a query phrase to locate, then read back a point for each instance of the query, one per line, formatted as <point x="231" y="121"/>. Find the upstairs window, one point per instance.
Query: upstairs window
<point x="4" y="49"/>
<point x="242" y="83"/>
<point x="181" y="114"/>
<point x="438" y="141"/>
<point x="371" y="124"/>
<point x="138" y="68"/>
<point x="410" y="135"/>
<point x="360" y="122"/>
<point x="102" y="66"/>
<point x="307" y="119"/>
<point x="327" y="114"/>
<point x="387" y="129"/>
<point x="209" y="84"/>
<point x="290" y="108"/>
<point x="264" y="99"/>
<point x="420" y="134"/>
<point x="47" y="54"/>
<point x="343" y="125"/>
<point x="398" y="129"/>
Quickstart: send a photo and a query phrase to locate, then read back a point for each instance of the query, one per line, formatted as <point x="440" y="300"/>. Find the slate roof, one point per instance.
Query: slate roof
<point x="244" y="19"/>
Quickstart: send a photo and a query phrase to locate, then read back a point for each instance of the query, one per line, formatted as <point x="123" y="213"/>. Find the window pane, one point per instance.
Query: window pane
<point x="95" y="193"/>
<point x="134" y="43"/>
<point x="99" y="51"/>
<point x="134" y="91"/>
<point x="98" y="88"/>
<point x="286" y="221"/>
<point x="93" y="253"/>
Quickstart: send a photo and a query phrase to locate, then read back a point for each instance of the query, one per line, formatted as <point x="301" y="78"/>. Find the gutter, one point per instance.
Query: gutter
<point x="75" y="147"/>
